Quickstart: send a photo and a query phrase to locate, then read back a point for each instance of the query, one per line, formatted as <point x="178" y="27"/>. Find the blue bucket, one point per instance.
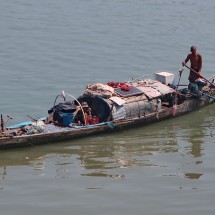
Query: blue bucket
<point x="67" y="119"/>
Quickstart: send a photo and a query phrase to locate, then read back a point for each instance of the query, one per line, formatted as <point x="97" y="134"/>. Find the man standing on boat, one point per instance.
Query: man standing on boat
<point x="196" y="82"/>
<point x="196" y="64"/>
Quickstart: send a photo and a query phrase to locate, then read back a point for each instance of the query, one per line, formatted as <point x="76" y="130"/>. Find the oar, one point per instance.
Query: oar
<point x="200" y="75"/>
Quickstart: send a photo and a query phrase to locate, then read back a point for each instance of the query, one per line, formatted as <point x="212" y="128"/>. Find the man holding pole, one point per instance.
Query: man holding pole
<point x="196" y="64"/>
<point x="195" y="78"/>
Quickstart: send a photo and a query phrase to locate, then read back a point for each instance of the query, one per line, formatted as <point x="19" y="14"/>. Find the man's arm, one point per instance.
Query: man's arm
<point x="186" y="60"/>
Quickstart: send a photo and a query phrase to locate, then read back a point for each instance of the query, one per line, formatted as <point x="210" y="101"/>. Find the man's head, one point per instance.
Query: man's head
<point x="193" y="49"/>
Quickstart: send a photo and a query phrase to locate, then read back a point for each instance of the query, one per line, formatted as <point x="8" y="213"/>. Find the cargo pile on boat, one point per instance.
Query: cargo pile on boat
<point x="105" y="107"/>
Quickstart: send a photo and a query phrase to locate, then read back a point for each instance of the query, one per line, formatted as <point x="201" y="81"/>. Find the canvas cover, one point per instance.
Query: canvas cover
<point x="140" y="100"/>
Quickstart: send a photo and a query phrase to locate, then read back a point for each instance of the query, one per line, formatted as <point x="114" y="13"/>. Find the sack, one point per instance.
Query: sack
<point x="193" y="87"/>
<point x="61" y="109"/>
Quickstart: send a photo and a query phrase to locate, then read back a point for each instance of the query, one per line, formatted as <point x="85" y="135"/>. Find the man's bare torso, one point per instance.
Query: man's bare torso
<point x="195" y="60"/>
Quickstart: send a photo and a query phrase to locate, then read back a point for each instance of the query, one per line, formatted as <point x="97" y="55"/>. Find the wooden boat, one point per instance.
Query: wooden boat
<point x="116" y="105"/>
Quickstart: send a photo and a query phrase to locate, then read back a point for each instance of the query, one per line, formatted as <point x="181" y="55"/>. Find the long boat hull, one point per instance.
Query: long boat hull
<point x="105" y="127"/>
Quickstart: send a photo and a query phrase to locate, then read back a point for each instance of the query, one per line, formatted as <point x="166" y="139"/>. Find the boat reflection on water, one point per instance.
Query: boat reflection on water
<point x="177" y="143"/>
<point x="103" y="156"/>
<point x="199" y="133"/>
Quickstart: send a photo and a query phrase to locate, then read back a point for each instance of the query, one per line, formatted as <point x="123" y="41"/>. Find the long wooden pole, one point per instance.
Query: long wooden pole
<point x="200" y="75"/>
<point x="2" y="123"/>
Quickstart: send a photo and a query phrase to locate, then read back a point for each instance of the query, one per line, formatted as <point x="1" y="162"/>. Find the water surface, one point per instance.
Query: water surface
<point x="49" y="46"/>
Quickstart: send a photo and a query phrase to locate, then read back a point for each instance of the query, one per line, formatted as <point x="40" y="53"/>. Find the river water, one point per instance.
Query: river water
<point x="47" y="46"/>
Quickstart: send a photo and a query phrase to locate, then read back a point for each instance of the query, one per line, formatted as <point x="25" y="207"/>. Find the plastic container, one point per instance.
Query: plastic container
<point x="67" y="119"/>
<point x="165" y="77"/>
